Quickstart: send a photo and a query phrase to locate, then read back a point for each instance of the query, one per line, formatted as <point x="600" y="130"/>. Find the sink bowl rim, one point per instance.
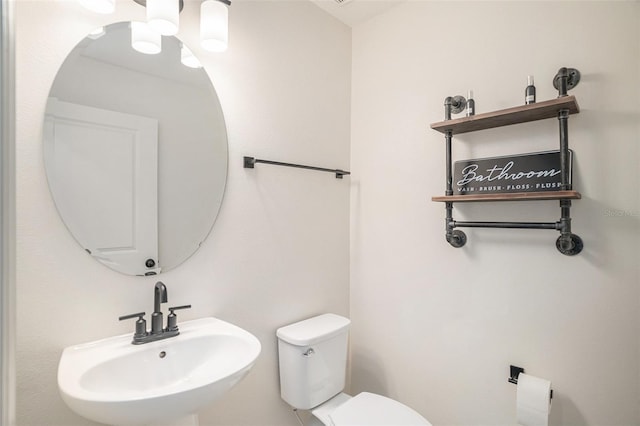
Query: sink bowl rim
<point x="70" y="376"/>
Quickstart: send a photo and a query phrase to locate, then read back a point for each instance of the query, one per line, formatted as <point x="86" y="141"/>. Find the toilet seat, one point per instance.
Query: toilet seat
<point x="369" y="409"/>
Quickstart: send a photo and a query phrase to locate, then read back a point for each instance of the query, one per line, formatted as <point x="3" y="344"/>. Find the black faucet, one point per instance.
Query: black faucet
<point x="159" y="297"/>
<point x="157" y="331"/>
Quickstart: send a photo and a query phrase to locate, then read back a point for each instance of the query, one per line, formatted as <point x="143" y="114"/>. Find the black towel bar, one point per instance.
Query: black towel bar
<point x="249" y="163"/>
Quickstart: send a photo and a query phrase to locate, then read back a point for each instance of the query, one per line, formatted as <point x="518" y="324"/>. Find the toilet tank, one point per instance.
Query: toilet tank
<point x="313" y="360"/>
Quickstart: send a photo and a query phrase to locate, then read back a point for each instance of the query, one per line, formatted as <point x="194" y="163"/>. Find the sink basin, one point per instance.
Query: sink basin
<point x="114" y="382"/>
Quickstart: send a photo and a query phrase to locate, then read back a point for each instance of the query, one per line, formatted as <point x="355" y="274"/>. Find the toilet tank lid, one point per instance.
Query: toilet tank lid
<point x="313" y="330"/>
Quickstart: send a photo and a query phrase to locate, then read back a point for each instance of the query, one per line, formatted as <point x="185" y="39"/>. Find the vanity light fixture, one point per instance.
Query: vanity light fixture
<point x="97" y="33"/>
<point x="163" y="16"/>
<point x="145" y="39"/>
<point x="99" y="6"/>
<point x="214" y="25"/>
<point x="188" y="59"/>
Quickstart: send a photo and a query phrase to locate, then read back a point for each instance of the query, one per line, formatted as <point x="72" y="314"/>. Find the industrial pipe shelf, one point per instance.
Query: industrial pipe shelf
<point x="560" y="108"/>
<point x="514" y="196"/>
<point x="506" y="117"/>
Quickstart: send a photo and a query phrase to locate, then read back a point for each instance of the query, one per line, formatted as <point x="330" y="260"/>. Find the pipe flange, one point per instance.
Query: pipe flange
<point x="458" y="104"/>
<point x="572" y="80"/>
<point x="569" y="246"/>
<point x="457" y="238"/>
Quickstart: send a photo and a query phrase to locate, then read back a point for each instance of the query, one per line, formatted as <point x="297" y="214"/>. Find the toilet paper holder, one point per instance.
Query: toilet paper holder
<point x="514" y="372"/>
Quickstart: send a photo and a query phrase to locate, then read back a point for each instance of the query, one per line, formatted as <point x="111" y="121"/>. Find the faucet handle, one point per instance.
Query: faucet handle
<point x="126" y="317"/>
<point x="175" y="308"/>
<point x="172" y="318"/>
<point x="141" y="324"/>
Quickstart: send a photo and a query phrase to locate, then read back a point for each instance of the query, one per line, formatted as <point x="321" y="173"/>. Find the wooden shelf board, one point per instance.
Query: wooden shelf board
<point x="506" y="117"/>
<point x="516" y="196"/>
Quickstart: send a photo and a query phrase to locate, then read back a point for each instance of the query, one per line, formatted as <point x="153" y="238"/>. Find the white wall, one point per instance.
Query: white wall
<point x="279" y="249"/>
<point x="438" y="327"/>
<point x="434" y="326"/>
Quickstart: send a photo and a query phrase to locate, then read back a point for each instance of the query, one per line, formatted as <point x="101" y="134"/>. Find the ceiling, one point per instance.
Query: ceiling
<point x="354" y="12"/>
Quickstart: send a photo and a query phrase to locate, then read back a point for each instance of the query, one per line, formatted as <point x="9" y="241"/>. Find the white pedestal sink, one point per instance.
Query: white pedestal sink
<point x="164" y="382"/>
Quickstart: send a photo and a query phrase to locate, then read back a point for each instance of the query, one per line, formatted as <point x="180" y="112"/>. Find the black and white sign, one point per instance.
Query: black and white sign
<point x="533" y="172"/>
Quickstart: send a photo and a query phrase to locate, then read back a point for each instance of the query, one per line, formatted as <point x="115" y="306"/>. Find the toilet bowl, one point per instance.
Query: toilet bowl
<point x="366" y="409"/>
<point x="312" y="358"/>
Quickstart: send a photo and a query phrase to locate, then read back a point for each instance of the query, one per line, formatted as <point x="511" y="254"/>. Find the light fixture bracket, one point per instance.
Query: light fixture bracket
<point x="144" y="4"/>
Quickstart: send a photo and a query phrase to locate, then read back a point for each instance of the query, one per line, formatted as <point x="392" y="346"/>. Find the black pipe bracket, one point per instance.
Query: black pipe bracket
<point x="566" y="79"/>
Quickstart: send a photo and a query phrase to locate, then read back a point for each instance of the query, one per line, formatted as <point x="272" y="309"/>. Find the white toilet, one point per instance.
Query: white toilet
<point x="313" y="361"/>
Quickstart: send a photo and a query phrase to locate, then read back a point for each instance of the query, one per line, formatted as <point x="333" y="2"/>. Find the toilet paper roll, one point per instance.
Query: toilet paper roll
<point x="533" y="401"/>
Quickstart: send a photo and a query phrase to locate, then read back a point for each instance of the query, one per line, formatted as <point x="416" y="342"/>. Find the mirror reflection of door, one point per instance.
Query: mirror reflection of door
<point x="105" y="73"/>
<point x="103" y="168"/>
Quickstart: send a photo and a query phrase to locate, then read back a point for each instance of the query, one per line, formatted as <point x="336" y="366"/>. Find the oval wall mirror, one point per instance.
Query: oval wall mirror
<point x="135" y="151"/>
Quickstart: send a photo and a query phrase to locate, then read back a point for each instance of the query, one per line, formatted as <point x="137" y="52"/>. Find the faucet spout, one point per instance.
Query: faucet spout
<point x="159" y="296"/>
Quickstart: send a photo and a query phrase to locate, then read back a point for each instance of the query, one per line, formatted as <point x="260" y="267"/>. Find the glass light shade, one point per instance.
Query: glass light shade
<point x="97" y="33"/>
<point x="214" y="25"/>
<point x="188" y="59"/>
<point x="99" y="6"/>
<point x="163" y="16"/>
<point x="144" y="39"/>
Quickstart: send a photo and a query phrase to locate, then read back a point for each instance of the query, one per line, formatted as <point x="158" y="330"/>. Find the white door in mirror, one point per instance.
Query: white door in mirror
<point x="102" y="168"/>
